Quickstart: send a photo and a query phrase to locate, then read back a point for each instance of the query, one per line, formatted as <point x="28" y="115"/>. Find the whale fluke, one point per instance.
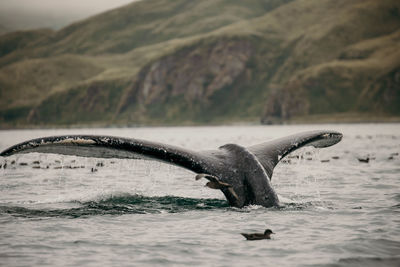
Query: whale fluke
<point x="242" y="174"/>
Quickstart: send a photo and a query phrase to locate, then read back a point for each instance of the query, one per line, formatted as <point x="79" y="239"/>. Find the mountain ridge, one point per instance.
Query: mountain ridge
<point x="271" y="64"/>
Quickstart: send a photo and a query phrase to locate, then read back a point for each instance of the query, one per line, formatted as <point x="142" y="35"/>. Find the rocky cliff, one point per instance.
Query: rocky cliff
<point x="206" y="62"/>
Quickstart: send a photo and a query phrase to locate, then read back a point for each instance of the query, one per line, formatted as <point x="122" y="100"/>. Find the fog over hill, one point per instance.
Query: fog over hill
<point x="213" y="61"/>
<point x="31" y="14"/>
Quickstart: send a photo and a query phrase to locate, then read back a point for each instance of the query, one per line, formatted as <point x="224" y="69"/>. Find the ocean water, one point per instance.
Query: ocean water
<point x="70" y="211"/>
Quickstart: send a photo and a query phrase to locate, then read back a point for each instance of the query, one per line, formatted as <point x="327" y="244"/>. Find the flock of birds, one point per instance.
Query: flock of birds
<point x="73" y="164"/>
<point x="212" y="184"/>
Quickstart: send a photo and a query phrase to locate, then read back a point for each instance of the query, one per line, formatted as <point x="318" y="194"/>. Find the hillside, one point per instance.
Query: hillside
<point x="212" y="61"/>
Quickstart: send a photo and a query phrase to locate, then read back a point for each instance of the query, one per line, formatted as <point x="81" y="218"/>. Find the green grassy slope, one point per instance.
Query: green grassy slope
<point x="174" y="62"/>
<point x="10" y="42"/>
<point x="149" y="22"/>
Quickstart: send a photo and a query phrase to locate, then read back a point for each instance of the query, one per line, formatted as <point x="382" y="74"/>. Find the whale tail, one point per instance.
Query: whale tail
<point x="248" y="170"/>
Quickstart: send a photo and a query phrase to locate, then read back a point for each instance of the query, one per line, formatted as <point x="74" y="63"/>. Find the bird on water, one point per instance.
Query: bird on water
<point x="259" y="236"/>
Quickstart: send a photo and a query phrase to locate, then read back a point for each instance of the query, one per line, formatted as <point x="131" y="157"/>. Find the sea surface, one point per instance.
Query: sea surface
<point x="70" y="211"/>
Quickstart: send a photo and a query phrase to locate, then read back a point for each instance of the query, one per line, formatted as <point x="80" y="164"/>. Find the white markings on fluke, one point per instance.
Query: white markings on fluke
<point x="77" y="141"/>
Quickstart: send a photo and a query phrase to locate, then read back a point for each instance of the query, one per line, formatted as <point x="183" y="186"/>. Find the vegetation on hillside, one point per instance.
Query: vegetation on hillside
<point x="211" y="61"/>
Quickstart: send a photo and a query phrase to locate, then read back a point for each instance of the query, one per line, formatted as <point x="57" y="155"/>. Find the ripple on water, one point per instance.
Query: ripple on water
<point x="122" y="204"/>
<point x="340" y="211"/>
<point x="368" y="262"/>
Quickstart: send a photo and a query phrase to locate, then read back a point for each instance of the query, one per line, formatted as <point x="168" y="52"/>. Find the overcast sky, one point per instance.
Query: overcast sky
<point x="25" y="14"/>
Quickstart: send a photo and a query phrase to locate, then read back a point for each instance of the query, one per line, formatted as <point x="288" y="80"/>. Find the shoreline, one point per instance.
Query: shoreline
<point x="311" y="119"/>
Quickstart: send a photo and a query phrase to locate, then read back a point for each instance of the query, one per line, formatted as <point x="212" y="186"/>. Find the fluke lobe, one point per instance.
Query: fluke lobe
<point x="243" y="174"/>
